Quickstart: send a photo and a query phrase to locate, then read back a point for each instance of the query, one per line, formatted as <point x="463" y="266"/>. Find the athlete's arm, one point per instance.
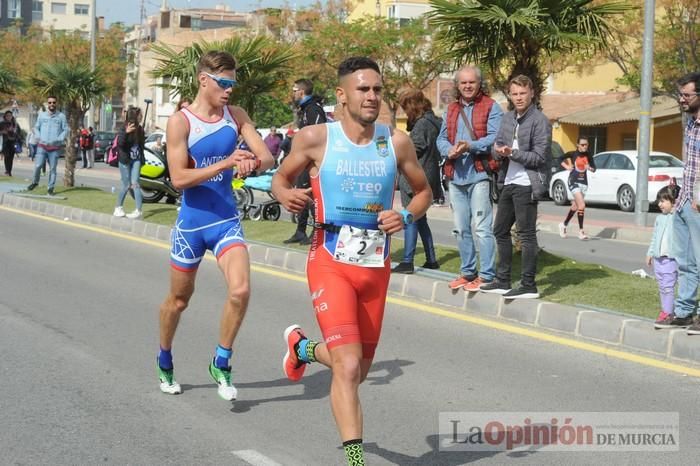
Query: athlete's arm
<point x="181" y="174"/>
<point x="390" y="221"/>
<point x="306" y="150"/>
<point x="254" y="141"/>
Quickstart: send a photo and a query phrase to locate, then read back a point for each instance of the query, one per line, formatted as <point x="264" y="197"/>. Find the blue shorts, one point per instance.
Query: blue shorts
<point x="188" y="246"/>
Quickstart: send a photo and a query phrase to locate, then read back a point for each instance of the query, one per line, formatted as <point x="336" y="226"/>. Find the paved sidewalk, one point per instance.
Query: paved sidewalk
<point x="615" y="330"/>
<point x="550" y="223"/>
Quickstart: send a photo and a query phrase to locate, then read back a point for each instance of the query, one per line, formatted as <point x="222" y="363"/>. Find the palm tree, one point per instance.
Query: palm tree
<point x="9" y="81"/>
<point x="512" y="37"/>
<point x="76" y="87"/>
<point x="263" y="66"/>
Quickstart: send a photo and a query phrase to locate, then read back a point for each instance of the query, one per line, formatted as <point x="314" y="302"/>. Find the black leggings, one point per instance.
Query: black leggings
<point x="8" y="152"/>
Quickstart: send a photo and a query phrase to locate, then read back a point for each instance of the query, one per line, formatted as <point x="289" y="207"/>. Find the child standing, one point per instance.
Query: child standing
<point x="660" y="252"/>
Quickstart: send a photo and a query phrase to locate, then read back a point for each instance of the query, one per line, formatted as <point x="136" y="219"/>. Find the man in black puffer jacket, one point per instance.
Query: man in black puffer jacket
<point x="309" y="112"/>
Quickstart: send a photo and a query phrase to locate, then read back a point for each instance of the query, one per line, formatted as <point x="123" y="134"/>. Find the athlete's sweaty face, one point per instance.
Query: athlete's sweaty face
<point x="361" y="92"/>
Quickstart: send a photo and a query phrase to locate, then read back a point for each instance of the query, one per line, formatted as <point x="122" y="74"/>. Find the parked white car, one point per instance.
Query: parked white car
<point x="615" y="178"/>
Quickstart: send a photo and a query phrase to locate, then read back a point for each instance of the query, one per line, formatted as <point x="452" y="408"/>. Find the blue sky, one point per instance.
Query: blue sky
<point x="127" y="11"/>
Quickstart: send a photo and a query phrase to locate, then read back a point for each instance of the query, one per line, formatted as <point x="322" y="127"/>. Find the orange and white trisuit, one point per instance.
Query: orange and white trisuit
<point x="348" y="266"/>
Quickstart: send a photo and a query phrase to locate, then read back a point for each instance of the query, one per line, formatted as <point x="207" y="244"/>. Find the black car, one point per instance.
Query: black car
<point x="103" y="139"/>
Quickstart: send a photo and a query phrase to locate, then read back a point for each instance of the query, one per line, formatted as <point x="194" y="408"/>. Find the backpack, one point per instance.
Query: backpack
<point x="112" y="153"/>
<point x="84" y="141"/>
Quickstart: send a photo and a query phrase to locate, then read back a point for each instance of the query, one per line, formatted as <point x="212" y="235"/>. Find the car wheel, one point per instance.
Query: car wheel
<point x="559" y="193"/>
<point x="625" y="198"/>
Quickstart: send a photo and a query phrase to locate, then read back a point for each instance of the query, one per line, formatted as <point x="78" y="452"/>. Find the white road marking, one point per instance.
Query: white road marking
<point x="255" y="458"/>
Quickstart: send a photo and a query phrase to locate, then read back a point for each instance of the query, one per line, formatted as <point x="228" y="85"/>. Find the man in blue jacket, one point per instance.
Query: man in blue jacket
<point x="51" y="130"/>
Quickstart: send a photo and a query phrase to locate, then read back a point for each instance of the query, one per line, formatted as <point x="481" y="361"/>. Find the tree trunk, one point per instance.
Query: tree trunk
<point x="75" y="119"/>
<point x="393" y="108"/>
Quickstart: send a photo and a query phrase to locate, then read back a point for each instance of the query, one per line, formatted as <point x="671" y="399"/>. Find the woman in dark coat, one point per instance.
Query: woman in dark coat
<point x="130" y="140"/>
<point x="424" y="127"/>
<point x="10" y="134"/>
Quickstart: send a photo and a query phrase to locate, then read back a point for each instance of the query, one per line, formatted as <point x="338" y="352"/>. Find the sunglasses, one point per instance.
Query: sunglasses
<point x="51" y="103"/>
<point x="224" y="83"/>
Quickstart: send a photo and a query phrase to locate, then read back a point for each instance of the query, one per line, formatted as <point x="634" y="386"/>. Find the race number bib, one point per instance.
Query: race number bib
<point x="359" y="246"/>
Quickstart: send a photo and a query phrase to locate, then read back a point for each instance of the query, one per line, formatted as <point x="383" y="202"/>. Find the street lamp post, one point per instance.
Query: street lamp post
<point x="641" y="203"/>
<point x="93" y="54"/>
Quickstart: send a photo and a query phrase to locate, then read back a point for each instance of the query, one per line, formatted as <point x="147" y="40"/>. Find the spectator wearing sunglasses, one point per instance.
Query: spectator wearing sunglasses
<point x="309" y="112"/>
<point x="51" y="130"/>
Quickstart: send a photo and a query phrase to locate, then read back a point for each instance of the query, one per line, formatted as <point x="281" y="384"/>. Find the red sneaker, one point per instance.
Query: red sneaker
<point x="458" y="283"/>
<point x="475" y="285"/>
<point x="293" y="367"/>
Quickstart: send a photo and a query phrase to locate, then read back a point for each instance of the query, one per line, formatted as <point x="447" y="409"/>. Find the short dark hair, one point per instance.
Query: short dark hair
<point x="668" y="193"/>
<point x="305" y="85"/>
<point x="690" y="78"/>
<point x="51" y="96"/>
<point x="352" y="64"/>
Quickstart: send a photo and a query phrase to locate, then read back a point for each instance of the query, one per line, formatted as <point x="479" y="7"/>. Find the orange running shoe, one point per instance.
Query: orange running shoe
<point x="475" y="285"/>
<point x="458" y="283"/>
<point x="293" y="367"/>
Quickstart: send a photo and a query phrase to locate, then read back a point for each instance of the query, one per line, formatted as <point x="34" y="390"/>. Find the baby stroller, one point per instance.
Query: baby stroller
<point x="245" y="199"/>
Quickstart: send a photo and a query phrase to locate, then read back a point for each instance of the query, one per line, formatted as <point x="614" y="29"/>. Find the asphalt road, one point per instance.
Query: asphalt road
<point x="78" y="331"/>
<point x="616" y="254"/>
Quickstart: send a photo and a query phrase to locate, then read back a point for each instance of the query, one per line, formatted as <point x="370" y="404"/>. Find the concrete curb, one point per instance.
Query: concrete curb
<point x="615" y="330"/>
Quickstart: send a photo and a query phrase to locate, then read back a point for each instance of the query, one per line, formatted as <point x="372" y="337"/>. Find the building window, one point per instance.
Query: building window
<point x="629" y="142"/>
<point x="13" y="9"/>
<point x="37" y="11"/>
<point x="58" y="8"/>
<point x="82" y="9"/>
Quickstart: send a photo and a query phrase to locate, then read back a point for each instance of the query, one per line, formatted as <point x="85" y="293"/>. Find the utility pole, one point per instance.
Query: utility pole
<point x="641" y="203"/>
<point x="137" y="56"/>
<point x="93" y="55"/>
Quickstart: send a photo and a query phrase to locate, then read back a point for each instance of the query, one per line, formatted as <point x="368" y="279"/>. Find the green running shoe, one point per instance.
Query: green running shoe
<point x="222" y="377"/>
<point x="167" y="381"/>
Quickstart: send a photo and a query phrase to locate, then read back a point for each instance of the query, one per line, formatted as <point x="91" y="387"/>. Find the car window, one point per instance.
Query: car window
<point x="601" y="160"/>
<point x="619" y="162"/>
<point x="663" y="161"/>
<point x="154" y="137"/>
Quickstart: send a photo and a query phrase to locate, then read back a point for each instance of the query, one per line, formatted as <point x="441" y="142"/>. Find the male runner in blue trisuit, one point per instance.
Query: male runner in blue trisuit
<point x="202" y="158"/>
